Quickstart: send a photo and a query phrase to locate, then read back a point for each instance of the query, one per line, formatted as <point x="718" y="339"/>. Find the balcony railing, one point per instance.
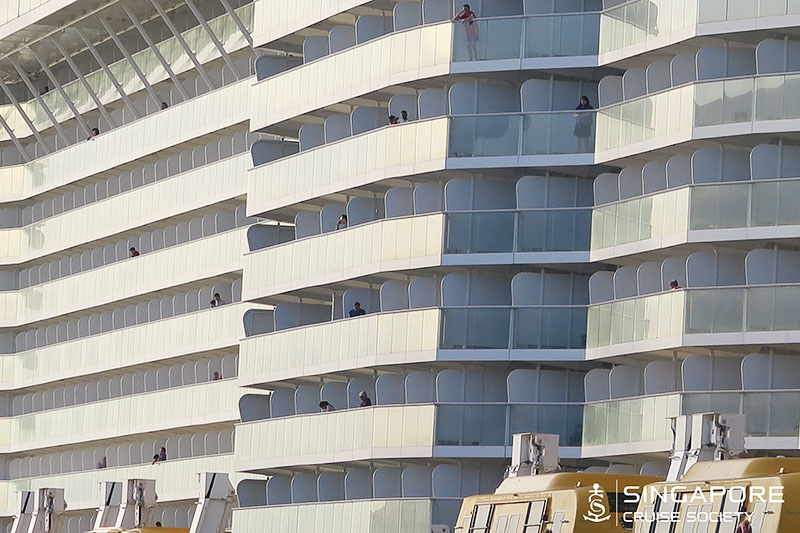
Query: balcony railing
<point x="397" y="430"/>
<point x="513" y="328"/>
<point x="176" y="480"/>
<point x="508" y="231"/>
<point x="644" y="419"/>
<point x="530" y="36"/>
<point x="187" y="262"/>
<point x="199" y="187"/>
<point x="521" y="134"/>
<point x="360" y="516"/>
<point x="767" y="308"/>
<point x="643" y="21"/>
<point x="711" y="206"/>
<point x="671" y="114"/>
<point x="191" y="405"/>
<point x="196" y="332"/>
<point x="408" y="336"/>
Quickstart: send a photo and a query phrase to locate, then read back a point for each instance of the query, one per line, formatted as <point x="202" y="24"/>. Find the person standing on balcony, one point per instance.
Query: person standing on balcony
<point x="342" y="222"/>
<point x="133" y="252"/>
<point x="326" y="407"/>
<point x="583" y="126"/>
<point x="365" y="401"/>
<point x="467" y="17"/>
<point x="356" y="310"/>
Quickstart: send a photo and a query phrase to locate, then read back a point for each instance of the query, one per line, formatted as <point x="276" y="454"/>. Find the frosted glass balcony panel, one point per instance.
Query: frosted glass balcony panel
<point x="644" y="21"/>
<point x="160" y="270"/>
<point x="194" y="405"/>
<point x="343" y="435"/>
<point x="389" y="244"/>
<point x="638" y="219"/>
<point x="179" y="123"/>
<point x="379" y="338"/>
<point x="720" y="310"/>
<point x="645" y="418"/>
<point x="636" y="319"/>
<point x="419" y="146"/>
<point x="200" y="331"/>
<point x="175" y="479"/>
<point x="402" y="431"/>
<point x="185" y="192"/>
<point x="365" y="516"/>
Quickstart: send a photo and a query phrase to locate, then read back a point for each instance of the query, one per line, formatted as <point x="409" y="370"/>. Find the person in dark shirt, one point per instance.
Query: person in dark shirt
<point x="95" y="133"/>
<point x="356" y="310"/>
<point x="218" y="299"/>
<point x="365" y="401"/>
<point x="134" y="252"/>
<point x="584" y="120"/>
<point x="164" y="105"/>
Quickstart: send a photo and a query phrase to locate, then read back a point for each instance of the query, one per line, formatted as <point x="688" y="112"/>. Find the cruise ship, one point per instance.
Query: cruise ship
<point x="341" y="251"/>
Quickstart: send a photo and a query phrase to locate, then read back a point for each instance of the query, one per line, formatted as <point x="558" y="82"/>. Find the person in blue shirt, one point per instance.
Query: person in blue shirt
<point x="356" y="310"/>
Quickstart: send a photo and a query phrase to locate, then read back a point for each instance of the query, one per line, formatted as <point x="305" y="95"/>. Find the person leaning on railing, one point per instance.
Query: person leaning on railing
<point x="467" y="17"/>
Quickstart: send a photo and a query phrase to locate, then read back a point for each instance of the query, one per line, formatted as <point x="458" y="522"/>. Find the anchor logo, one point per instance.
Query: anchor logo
<point x="597" y="509"/>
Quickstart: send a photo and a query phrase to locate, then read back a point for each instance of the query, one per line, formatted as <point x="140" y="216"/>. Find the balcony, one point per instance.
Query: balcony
<point x="212" y="256"/>
<point x="708" y="109"/>
<point x="641" y="25"/>
<point x="175" y="480"/>
<point x="533" y="333"/>
<point x="695" y="317"/>
<point x="641" y="425"/>
<point x="191" y="405"/>
<point x="546" y="235"/>
<point x="185" y="192"/>
<point x="204" y="49"/>
<point x="418" y="147"/>
<point x="762" y="209"/>
<point x="178" y="124"/>
<point x="201" y="331"/>
<point x="401" y="431"/>
<point x="506" y="43"/>
<point x="366" y="516"/>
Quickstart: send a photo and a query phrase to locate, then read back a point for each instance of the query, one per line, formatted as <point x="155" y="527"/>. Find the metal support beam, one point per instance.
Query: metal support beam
<point x="24" y="76"/>
<point x="14" y="139"/>
<point x="238" y="21"/>
<point x="60" y="89"/>
<point x="157" y="52"/>
<point x="182" y="42"/>
<point x="134" y="66"/>
<point x="106" y="115"/>
<point x="104" y="66"/>
<point x="25" y="117"/>
<point x="213" y="37"/>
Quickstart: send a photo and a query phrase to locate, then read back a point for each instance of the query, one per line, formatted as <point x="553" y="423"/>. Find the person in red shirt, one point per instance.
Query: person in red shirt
<point x="467" y="17"/>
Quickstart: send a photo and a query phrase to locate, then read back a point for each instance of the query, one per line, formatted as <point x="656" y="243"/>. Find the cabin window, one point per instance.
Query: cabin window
<point x="558" y="520"/>
<point x="481" y="519"/>
<point x="757" y="522"/>
<point x="533" y="522"/>
<point x="731" y="504"/>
